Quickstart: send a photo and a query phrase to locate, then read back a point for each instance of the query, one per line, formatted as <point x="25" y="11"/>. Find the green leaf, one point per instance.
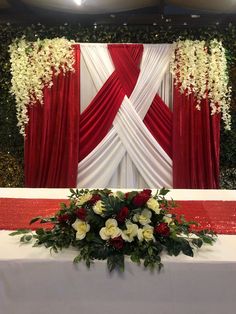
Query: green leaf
<point x="26" y="238"/>
<point x="150" y="251"/>
<point x="163" y="191"/>
<point x="135" y="258"/>
<point x="77" y="259"/>
<point x="19" y="232"/>
<point x="186" y="249"/>
<point x="197" y="242"/>
<point x="40" y="231"/>
<point x="207" y="239"/>
<point x="35" y="219"/>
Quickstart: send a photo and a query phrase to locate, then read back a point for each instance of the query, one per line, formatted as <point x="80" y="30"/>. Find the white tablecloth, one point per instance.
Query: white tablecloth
<point x="33" y="281"/>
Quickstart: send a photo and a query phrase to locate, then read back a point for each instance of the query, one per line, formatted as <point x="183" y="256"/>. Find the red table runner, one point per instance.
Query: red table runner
<point x="220" y="216"/>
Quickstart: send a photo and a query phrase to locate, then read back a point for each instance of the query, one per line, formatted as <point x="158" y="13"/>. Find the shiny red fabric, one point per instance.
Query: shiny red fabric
<point x="52" y="135"/>
<point x="196" y="141"/>
<point x="97" y="119"/>
<point x="219" y="216"/>
<point x="159" y="121"/>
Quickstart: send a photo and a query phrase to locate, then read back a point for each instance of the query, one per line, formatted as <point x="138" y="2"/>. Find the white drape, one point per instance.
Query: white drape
<point x="128" y="156"/>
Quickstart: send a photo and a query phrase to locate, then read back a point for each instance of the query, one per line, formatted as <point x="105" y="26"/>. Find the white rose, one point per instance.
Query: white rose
<point x="99" y="208"/>
<point x="131" y="231"/>
<point x="146" y="233"/>
<point x="81" y="227"/>
<point x="83" y="199"/>
<point x="110" y="231"/>
<point x="144" y="217"/>
<point x="153" y="204"/>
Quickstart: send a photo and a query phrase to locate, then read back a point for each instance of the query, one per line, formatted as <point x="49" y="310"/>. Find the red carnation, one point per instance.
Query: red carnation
<point x="141" y="199"/>
<point x="63" y="218"/>
<point x="162" y="229"/>
<point x="122" y="215"/>
<point x="117" y="242"/>
<point x="94" y="199"/>
<point x="81" y="213"/>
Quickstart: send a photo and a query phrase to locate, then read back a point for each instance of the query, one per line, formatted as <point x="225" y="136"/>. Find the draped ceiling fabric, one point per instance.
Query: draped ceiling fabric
<point x="111" y="124"/>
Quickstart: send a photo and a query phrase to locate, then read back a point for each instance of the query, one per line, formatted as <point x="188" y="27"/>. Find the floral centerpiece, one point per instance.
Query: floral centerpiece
<point x="106" y="225"/>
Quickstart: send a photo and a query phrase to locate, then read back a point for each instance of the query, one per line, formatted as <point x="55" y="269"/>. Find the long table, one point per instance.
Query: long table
<point x="34" y="281"/>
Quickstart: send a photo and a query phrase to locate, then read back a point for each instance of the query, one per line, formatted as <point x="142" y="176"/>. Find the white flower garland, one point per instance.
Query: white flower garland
<point x="32" y="68"/>
<point x="202" y="69"/>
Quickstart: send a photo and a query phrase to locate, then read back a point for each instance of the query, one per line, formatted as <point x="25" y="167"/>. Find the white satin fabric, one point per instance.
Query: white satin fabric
<point x="129" y="156"/>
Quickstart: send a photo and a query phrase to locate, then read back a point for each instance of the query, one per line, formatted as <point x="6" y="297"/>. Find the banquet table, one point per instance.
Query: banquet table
<point x="34" y="281"/>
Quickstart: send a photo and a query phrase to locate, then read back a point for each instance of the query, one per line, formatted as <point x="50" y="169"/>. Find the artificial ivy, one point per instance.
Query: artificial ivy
<point x="11" y="142"/>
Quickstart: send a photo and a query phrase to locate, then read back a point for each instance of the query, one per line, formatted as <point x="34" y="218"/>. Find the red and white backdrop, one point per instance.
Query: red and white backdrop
<point x="118" y="121"/>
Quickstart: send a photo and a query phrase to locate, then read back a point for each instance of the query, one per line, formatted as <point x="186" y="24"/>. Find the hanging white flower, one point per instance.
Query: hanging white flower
<point x="32" y="67"/>
<point x="202" y="69"/>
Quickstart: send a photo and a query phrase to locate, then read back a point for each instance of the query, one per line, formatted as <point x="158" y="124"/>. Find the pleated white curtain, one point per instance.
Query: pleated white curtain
<point x="129" y="156"/>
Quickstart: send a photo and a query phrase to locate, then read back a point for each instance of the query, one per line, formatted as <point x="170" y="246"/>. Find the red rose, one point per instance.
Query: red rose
<point x="122" y="215"/>
<point x="162" y="229"/>
<point x="147" y="191"/>
<point x="94" y="199"/>
<point x="117" y="242"/>
<point x="141" y="199"/>
<point x="63" y="218"/>
<point x="81" y="213"/>
<point x="127" y="195"/>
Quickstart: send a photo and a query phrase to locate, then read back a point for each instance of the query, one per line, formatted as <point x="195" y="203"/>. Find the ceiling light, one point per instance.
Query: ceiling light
<point x="79" y="2"/>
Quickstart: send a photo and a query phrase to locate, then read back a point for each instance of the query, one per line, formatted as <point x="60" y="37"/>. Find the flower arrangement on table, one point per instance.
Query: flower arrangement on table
<point x="106" y="225"/>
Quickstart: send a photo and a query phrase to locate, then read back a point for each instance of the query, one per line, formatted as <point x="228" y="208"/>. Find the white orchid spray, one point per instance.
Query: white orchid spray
<point x="32" y="67"/>
<point x="201" y="69"/>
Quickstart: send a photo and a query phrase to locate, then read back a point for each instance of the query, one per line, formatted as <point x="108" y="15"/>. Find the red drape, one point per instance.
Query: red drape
<point x="159" y="121"/>
<point x="52" y="135"/>
<point x="196" y="141"/>
<point x="97" y="118"/>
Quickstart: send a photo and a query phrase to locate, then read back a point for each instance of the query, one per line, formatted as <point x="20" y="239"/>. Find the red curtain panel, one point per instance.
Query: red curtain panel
<point x="196" y="141"/>
<point x="52" y="135"/>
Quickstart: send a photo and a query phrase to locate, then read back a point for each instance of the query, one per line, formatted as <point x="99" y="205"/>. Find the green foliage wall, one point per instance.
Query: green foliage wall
<point x="11" y="142"/>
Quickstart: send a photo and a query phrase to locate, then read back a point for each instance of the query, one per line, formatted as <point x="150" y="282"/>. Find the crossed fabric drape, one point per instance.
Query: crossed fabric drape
<point x="129" y="146"/>
<point x="110" y="124"/>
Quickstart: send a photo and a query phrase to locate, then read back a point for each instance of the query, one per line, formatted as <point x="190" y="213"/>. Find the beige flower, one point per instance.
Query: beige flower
<point x="144" y="217"/>
<point x="153" y="204"/>
<point x="146" y="233"/>
<point x="131" y="231"/>
<point x="110" y="231"/>
<point x="83" y="199"/>
<point x="81" y="227"/>
<point x="99" y="208"/>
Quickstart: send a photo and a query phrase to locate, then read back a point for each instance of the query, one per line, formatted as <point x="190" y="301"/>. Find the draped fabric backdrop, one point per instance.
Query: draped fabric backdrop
<point x="52" y="137"/>
<point x="110" y="124"/>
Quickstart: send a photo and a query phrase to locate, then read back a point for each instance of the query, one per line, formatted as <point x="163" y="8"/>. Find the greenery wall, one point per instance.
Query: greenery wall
<point x="11" y="142"/>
